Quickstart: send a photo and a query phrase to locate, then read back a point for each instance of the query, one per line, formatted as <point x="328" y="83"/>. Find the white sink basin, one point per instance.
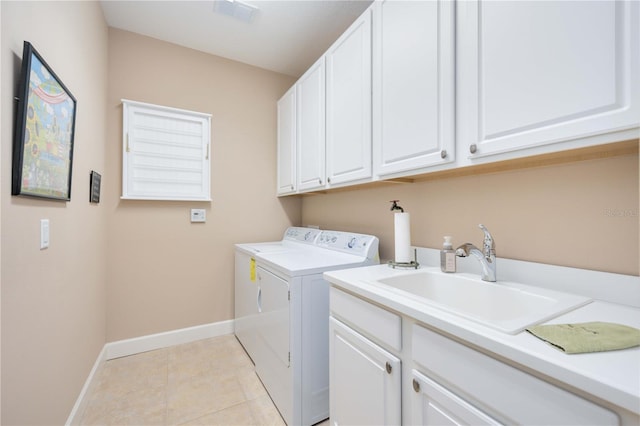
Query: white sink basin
<point x="505" y="306"/>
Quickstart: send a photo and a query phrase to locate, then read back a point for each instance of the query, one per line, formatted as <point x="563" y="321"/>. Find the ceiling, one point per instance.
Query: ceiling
<point x="286" y="36"/>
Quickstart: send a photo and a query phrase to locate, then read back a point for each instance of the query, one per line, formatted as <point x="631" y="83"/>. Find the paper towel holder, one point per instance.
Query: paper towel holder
<point x="395" y="206"/>
<point x="414" y="263"/>
<point x="409" y="265"/>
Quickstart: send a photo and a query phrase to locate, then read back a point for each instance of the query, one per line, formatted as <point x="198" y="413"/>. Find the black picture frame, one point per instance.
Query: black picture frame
<point x="44" y="133"/>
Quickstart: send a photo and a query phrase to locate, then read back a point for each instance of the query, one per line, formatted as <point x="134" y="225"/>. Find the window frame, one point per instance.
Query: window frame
<point x="177" y="144"/>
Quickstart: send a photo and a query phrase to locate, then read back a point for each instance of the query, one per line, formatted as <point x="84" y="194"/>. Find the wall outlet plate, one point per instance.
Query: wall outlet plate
<point x="198" y="215"/>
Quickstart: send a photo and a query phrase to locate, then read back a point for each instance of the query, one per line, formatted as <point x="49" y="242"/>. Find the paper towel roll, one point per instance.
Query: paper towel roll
<point x="402" y="230"/>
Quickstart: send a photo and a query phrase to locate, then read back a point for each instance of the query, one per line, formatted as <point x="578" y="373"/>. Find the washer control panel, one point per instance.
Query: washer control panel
<point x="349" y="242"/>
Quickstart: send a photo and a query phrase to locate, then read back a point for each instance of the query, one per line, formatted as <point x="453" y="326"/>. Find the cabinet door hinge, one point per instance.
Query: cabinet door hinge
<point x="289" y="295"/>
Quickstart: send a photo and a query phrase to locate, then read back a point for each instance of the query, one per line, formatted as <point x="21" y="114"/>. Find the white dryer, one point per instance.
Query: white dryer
<point x="290" y="348"/>
<point x="246" y="289"/>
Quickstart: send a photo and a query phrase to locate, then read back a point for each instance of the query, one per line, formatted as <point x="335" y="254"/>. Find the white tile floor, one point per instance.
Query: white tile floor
<point x="207" y="382"/>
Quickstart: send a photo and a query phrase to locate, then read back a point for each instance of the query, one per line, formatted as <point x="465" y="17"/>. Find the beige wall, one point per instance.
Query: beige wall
<point x="142" y="265"/>
<point x="166" y="273"/>
<point x="582" y="214"/>
<point x="53" y="309"/>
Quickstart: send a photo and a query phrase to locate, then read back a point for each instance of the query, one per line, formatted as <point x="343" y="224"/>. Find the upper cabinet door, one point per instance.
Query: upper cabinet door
<point x="310" y="104"/>
<point x="413" y="86"/>
<point x="533" y="73"/>
<point x="349" y="104"/>
<point x="287" y="143"/>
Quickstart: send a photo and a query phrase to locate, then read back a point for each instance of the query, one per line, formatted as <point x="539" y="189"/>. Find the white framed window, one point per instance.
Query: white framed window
<point x="165" y="153"/>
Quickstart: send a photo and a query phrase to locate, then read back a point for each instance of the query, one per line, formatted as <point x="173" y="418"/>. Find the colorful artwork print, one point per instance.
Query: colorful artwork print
<point x="47" y="149"/>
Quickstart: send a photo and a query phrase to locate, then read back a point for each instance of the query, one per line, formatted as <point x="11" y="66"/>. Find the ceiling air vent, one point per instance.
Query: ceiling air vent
<point x="236" y="9"/>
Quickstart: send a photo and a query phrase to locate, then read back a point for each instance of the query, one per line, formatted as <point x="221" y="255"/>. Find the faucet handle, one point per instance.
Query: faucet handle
<point x="488" y="245"/>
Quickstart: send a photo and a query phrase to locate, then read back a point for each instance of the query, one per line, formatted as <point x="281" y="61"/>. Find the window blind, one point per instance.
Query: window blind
<point x="166" y="153"/>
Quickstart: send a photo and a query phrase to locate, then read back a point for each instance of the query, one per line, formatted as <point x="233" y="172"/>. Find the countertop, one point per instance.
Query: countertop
<point x="613" y="376"/>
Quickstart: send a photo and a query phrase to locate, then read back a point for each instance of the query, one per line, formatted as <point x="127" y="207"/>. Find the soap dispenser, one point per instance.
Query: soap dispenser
<point x="447" y="256"/>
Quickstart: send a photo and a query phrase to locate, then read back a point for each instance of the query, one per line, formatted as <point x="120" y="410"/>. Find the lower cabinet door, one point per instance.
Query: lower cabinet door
<point x="432" y="404"/>
<point x="365" y="380"/>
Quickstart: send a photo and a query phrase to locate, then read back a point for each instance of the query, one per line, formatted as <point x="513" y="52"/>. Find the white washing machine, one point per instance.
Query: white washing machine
<point x="289" y="333"/>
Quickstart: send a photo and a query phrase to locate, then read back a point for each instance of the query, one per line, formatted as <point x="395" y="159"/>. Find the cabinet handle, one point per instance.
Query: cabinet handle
<point x="329" y="180"/>
<point x="473" y="148"/>
<point x="388" y="367"/>
<point x="416" y="385"/>
<point x="320" y="181"/>
<point x="292" y="187"/>
<point x="443" y="153"/>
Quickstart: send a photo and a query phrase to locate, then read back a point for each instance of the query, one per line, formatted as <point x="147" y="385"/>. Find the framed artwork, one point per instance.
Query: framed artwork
<point x="44" y="133"/>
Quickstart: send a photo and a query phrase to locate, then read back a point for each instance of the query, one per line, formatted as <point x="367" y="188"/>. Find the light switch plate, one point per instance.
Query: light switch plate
<point x="44" y="234"/>
<point x="198" y="215"/>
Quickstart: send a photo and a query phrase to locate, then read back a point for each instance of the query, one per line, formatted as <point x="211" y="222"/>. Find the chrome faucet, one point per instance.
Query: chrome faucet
<point x="486" y="257"/>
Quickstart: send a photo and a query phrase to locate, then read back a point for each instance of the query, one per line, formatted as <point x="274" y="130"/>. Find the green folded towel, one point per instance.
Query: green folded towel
<point x="587" y="336"/>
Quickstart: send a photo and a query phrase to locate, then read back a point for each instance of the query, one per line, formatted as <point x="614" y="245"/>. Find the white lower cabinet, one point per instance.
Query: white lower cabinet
<point x="365" y="380"/>
<point x="444" y="382"/>
<point x="431" y="404"/>
<point x="365" y="373"/>
<point x="490" y="386"/>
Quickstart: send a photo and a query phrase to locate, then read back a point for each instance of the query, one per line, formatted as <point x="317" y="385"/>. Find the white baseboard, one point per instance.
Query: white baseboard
<point x="143" y="344"/>
<point x="81" y="402"/>
<point x="169" y="338"/>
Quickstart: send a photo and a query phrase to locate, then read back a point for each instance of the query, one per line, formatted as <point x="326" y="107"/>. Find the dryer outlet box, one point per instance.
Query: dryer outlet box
<point x="198" y="215"/>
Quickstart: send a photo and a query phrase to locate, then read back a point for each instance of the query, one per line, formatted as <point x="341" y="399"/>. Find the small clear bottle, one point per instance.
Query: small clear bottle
<point x="447" y="256"/>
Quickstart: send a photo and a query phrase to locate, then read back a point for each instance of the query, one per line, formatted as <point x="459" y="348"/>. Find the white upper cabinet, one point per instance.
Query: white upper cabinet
<point x="287" y="143"/>
<point x="535" y="73"/>
<point x="310" y="112"/>
<point x="348" y="64"/>
<point x="413" y="85"/>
